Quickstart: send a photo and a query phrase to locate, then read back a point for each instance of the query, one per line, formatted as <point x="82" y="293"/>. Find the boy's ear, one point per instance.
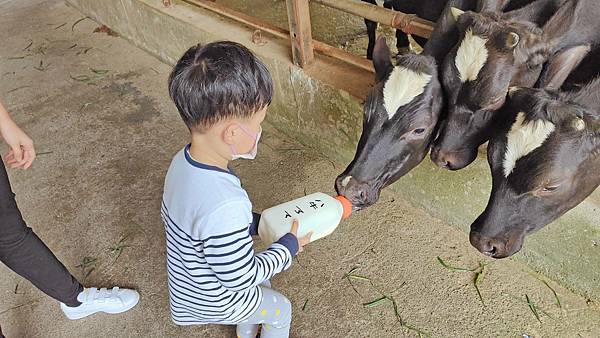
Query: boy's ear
<point x="229" y="132"/>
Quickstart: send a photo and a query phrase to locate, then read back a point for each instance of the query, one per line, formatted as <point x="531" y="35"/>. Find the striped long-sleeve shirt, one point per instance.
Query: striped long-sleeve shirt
<point x="213" y="271"/>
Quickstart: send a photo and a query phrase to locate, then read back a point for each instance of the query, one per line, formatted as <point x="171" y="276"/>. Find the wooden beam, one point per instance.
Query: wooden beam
<point x="300" y="32"/>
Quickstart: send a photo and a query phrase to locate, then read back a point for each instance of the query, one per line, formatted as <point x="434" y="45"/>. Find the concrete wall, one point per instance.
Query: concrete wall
<point x="329" y="119"/>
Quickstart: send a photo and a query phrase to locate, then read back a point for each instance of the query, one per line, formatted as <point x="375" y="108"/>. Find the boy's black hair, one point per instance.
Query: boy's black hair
<point x="217" y="81"/>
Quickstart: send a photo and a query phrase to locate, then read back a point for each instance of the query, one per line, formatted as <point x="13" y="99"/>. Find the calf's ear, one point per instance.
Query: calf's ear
<point x="560" y="65"/>
<point x="491" y="5"/>
<point x="456" y="13"/>
<point x="561" y="23"/>
<point x="446" y="34"/>
<point x="382" y="59"/>
<point x="512" y="40"/>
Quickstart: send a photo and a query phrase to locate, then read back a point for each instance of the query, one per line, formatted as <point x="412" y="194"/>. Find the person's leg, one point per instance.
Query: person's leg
<point x="24" y="253"/>
<point x="274" y="313"/>
<point x="247" y="327"/>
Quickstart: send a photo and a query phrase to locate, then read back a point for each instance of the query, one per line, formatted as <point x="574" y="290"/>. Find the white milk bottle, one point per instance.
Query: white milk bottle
<point x="318" y="212"/>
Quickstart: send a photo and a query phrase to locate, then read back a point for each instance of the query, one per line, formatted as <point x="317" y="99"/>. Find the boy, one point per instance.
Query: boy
<point x="25" y="253"/>
<point x="222" y="92"/>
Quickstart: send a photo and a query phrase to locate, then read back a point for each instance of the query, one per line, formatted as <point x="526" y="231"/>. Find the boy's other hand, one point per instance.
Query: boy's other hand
<point x="22" y="152"/>
<point x="304" y="239"/>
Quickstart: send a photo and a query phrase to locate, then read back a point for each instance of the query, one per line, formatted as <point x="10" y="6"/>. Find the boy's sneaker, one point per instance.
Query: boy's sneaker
<point x="103" y="300"/>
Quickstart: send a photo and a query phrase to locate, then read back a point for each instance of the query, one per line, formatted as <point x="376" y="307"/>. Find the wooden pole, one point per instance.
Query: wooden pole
<point x="300" y="32"/>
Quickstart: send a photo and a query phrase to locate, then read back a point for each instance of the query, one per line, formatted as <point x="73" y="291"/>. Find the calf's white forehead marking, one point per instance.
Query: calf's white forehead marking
<point x="523" y="138"/>
<point x="346" y="180"/>
<point x="471" y="56"/>
<point x="402" y="86"/>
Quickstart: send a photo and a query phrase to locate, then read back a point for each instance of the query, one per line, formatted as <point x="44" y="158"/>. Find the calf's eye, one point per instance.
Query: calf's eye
<point x="550" y="188"/>
<point x="419" y="131"/>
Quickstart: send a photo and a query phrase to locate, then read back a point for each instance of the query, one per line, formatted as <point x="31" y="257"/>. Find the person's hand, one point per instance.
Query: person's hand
<point x="304" y="239"/>
<point x="22" y="152"/>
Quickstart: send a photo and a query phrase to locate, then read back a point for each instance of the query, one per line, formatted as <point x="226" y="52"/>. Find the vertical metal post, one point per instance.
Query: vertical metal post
<point x="300" y="32"/>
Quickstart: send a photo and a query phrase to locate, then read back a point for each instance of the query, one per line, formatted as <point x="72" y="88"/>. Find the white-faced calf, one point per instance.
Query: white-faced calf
<point x="496" y="52"/>
<point x="401" y="114"/>
<point x="544" y="159"/>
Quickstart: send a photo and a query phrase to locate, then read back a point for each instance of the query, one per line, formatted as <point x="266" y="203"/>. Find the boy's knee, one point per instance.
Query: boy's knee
<point x="283" y="312"/>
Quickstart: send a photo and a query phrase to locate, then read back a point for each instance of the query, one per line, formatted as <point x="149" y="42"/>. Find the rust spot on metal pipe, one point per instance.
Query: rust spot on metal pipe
<point x="412" y="24"/>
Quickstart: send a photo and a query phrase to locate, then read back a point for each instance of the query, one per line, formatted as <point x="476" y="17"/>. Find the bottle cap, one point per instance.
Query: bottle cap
<point x="346" y="204"/>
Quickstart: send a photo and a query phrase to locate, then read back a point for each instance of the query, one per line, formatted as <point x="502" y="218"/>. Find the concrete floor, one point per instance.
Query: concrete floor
<point x="104" y="143"/>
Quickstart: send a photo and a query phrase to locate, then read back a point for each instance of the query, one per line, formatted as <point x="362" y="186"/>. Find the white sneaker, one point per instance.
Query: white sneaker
<point x="103" y="300"/>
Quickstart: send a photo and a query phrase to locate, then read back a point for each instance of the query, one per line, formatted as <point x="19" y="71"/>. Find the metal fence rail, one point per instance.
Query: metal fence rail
<point x="408" y="23"/>
<point x="300" y="33"/>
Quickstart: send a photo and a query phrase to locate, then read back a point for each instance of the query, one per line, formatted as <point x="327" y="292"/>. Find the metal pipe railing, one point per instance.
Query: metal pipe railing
<point x="408" y="23"/>
<point x="302" y="47"/>
<point x="320" y="47"/>
<point x="300" y="37"/>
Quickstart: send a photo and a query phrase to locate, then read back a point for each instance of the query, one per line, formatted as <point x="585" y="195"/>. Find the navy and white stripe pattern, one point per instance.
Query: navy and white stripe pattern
<point x="213" y="271"/>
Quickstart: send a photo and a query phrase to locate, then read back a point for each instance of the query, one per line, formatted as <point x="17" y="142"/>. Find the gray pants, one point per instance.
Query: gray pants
<point x="24" y="253"/>
<point x="274" y="313"/>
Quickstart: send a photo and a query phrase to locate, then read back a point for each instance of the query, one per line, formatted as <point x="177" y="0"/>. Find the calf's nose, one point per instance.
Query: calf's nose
<point x="443" y="159"/>
<point x="359" y="193"/>
<point x="341" y="184"/>
<point x="350" y="187"/>
<point x="488" y="246"/>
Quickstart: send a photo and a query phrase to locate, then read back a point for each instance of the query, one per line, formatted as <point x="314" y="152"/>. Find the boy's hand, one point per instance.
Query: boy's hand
<point x="22" y="152"/>
<point x="301" y="241"/>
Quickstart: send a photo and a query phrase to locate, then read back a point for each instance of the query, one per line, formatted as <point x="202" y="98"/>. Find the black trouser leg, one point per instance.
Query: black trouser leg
<point x="23" y="252"/>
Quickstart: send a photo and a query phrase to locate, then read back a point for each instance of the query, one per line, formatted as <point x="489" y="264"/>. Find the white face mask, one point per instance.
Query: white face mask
<point x="252" y="154"/>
